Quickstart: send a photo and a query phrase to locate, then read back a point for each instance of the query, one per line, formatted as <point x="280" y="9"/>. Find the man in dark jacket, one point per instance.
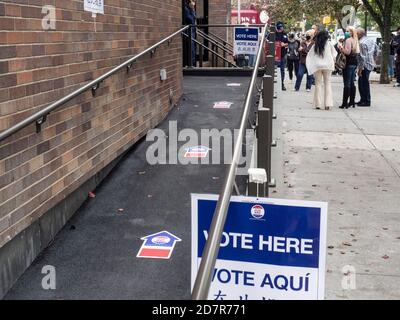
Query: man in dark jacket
<point x="293" y="56"/>
<point x="281" y="41"/>
<point x="396" y="44"/>
<point x="190" y="18"/>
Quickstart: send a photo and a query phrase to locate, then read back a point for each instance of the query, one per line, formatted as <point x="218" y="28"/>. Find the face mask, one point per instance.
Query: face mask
<point x="347" y="35"/>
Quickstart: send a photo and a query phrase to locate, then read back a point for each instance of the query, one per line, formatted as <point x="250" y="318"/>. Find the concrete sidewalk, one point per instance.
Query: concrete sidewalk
<point x="351" y="159"/>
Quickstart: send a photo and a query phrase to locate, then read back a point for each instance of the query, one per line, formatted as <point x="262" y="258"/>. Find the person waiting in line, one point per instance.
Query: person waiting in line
<point x="366" y="64"/>
<point x="391" y="58"/>
<point x="350" y="49"/>
<point x="293" y="56"/>
<point x="396" y="43"/>
<point x="282" y="42"/>
<point x="398" y="66"/>
<point x="190" y="18"/>
<point x="304" y="49"/>
<point x="321" y="62"/>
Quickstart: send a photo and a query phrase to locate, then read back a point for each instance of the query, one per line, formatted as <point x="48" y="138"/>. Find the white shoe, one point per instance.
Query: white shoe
<point x="397" y="85"/>
<point x="308" y="90"/>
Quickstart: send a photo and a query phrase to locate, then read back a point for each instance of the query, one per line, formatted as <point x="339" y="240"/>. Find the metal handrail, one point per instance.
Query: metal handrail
<point x="204" y="36"/>
<point x="212" y="51"/>
<point x="91" y="85"/>
<point x="210" y="253"/>
<point x="212" y="35"/>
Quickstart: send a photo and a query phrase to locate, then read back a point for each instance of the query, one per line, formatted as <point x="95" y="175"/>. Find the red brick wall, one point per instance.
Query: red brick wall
<point x="37" y="67"/>
<point x="220" y="13"/>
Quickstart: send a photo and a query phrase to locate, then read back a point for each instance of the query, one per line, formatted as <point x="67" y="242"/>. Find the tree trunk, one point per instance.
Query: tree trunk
<point x="385" y="54"/>
<point x="386" y="37"/>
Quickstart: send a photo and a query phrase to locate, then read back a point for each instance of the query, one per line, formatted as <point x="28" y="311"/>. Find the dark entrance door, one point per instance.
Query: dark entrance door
<point x="202" y="10"/>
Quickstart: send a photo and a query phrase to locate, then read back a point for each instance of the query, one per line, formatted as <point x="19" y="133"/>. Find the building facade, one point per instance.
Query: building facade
<point x="48" y="49"/>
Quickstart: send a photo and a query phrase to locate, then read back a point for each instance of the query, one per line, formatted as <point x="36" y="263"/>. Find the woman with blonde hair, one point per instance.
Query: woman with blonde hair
<point x="351" y="49"/>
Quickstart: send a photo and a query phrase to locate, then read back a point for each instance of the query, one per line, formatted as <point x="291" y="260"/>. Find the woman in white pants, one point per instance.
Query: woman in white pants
<point x="321" y="62"/>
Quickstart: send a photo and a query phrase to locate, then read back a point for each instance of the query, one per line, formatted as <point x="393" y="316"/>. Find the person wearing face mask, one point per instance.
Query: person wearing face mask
<point x="293" y="56"/>
<point x="282" y="44"/>
<point x="350" y="49"/>
<point x="304" y="49"/>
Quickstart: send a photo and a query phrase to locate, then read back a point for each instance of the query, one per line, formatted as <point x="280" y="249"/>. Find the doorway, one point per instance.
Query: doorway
<point x="202" y="11"/>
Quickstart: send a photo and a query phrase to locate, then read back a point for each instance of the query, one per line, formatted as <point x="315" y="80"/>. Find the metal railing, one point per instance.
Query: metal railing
<point x="210" y="253"/>
<point x="216" y="37"/>
<point x="215" y="45"/>
<point x="210" y="50"/>
<point x="40" y="116"/>
<point x="222" y="46"/>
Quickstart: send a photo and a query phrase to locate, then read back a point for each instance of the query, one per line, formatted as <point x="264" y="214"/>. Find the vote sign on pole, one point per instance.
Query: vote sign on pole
<point x="94" y="6"/>
<point x="246" y="41"/>
<point x="270" y="248"/>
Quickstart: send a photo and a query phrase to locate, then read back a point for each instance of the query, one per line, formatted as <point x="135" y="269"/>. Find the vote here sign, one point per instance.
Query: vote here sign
<point x="270" y="248"/>
<point x="95" y="6"/>
<point x="246" y="41"/>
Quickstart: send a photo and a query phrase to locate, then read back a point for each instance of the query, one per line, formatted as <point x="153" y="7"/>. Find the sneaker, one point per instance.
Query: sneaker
<point x="397" y="85"/>
<point x="308" y="90"/>
<point x="283" y="88"/>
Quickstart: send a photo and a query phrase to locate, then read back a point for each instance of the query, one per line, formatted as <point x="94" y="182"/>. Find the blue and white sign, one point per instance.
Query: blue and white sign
<point x="94" y="6"/>
<point x="246" y="41"/>
<point x="270" y="248"/>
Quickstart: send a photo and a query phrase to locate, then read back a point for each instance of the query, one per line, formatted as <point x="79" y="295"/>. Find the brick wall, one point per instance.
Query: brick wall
<point x="220" y="13"/>
<point x="37" y="67"/>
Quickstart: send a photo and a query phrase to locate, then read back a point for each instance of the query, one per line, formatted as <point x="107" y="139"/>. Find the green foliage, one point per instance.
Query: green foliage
<point x="396" y="14"/>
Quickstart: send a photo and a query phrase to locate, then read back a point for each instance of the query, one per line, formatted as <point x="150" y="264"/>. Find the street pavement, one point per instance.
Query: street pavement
<point x="350" y="159"/>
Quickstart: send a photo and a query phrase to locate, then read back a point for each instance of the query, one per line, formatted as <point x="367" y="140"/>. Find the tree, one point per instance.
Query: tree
<point x="333" y="8"/>
<point x="382" y="12"/>
<point x="396" y="14"/>
<point x="313" y="10"/>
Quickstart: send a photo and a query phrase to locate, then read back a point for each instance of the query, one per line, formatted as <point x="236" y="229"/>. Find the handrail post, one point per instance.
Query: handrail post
<point x="268" y="104"/>
<point x="224" y="44"/>
<point x="270" y="66"/>
<point x="264" y="146"/>
<point x="268" y="93"/>
<point x="201" y="56"/>
<point x="190" y="46"/>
